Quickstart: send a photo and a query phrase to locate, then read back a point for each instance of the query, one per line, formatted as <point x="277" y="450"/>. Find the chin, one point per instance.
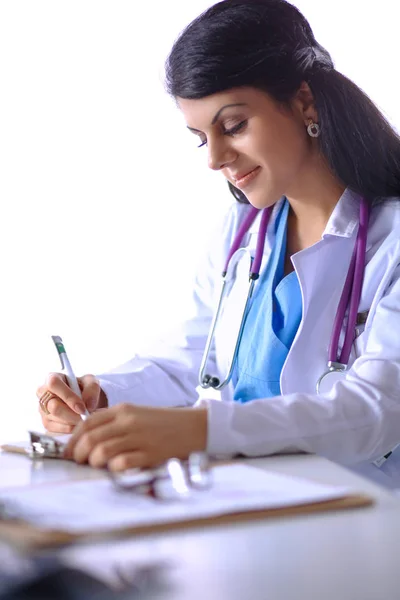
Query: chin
<point x="262" y="200"/>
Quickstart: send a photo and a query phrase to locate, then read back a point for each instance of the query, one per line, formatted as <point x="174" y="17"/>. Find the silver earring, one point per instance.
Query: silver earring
<point x="313" y="129"/>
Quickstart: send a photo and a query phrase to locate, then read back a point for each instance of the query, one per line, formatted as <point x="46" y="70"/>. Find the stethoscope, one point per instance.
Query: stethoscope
<point x="350" y="298"/>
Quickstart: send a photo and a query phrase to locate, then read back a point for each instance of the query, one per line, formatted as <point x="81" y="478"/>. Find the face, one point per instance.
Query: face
<point x="258" y="145"/>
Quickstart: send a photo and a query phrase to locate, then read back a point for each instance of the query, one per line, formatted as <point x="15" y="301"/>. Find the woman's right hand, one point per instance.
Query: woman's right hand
<point x="62" y="411"/>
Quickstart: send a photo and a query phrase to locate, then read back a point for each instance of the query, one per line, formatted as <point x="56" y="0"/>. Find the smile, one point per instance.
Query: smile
<point x="242" y="182"/>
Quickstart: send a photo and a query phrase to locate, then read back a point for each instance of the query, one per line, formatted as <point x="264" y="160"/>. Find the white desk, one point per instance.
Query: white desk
<point x="347" y="555"/>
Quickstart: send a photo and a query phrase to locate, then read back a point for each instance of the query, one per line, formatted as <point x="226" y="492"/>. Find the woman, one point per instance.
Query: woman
<point x="288" y="132"/>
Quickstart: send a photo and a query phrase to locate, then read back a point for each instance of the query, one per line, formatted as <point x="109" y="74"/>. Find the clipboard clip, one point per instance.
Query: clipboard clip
<point x="44" y="446"/>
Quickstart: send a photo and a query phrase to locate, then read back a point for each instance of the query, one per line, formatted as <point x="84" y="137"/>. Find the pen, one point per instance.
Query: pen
<point x="66" y="367"/>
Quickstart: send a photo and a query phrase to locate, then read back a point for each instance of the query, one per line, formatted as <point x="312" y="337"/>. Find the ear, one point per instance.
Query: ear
<point x="303" y="103"/>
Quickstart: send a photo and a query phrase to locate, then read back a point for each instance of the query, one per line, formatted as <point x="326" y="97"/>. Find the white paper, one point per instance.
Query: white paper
<point x="80" y="506"/>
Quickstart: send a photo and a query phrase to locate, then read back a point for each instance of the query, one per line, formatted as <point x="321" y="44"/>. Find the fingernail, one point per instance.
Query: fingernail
<point x="80" y="408"/>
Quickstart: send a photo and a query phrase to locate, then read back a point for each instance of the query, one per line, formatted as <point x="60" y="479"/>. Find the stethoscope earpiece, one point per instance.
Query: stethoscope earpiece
<point x="209" y="381"/>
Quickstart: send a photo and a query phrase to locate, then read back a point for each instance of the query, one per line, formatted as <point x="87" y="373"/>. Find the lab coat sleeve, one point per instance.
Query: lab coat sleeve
<point x="168" y="374"/>
<point x="358" y="420"/>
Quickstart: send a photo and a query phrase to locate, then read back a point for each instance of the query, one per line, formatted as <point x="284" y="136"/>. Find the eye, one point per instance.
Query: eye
<point x="232" y="131"/>
<point x="236" y="128"/>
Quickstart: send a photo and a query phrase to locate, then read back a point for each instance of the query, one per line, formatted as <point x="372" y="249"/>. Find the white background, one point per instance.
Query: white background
<point x="106" y="203"/>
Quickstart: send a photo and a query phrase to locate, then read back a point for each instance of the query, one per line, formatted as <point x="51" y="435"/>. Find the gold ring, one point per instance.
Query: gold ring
<point x="44" y="400"/>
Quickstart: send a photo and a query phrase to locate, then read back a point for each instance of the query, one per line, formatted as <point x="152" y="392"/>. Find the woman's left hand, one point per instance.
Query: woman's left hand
<point x="127" y="436"/>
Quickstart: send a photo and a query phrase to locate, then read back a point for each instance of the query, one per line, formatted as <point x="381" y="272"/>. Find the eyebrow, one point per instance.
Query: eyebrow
<point x="215" y="118"/>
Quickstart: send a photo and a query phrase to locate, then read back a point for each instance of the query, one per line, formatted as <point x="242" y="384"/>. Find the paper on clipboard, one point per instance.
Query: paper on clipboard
<point x="82" y="506"/>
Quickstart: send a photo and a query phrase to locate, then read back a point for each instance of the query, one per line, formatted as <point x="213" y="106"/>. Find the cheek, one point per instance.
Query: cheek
<point x="281" y="157"/>
<point x="284" y="154"/>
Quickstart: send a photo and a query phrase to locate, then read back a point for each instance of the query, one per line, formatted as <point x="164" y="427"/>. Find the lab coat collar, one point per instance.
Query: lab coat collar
<point x="342" y="222"/>
<point x="345" y="216"/>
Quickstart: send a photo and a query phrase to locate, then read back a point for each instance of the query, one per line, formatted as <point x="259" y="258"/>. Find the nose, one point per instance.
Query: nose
<point x="220" y="154"/>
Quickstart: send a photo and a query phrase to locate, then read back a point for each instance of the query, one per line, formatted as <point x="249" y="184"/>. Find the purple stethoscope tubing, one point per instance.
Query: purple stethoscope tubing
<point x="350" y="297"/>
<point x="205" y="380"/>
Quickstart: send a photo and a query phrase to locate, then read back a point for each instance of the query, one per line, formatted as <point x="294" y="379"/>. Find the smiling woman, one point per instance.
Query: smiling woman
<point x="260" y="146"/>
<point x="311" y="92"/>
<point x="310" y="257"/>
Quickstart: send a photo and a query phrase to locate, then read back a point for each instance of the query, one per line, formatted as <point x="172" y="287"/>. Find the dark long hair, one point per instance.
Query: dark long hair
<point x="269" y="45"/>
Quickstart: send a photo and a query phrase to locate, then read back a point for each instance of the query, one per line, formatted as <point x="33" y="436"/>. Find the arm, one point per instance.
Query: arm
<point x="359" y="419"/>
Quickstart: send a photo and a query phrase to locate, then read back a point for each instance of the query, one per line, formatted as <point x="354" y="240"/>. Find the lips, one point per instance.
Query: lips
<point x="243" y="179"/>
<point x="237" y="176"/>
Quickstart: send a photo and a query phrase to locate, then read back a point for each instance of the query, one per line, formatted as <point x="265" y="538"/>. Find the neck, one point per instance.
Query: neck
<point x="312" y="200"/>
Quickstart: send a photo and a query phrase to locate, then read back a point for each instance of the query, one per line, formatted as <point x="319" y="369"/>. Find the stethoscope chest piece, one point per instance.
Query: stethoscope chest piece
<point x="335" y="372"/>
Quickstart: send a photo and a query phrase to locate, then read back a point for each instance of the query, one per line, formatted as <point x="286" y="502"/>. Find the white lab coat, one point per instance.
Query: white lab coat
<point x="358" y="419"/>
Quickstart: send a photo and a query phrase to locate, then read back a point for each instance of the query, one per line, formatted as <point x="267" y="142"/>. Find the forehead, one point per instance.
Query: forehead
<point x="200" y="112"/>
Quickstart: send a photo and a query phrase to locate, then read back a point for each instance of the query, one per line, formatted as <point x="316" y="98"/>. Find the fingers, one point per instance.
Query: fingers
<point x="114" y="436"/>
<point x="60" y="412"/>
<point x="104" y="451"/>
<point x="129" y="460"/>
<point x="56" y="416"/>
<point x="64" y="407"/>
<point x="56" y="384"/>
<point x="103" y="436"/>
<point x="57" y="427"/>
<point x="90" y="391"/>
<point x="89" y="432"/>
<point x="105" y="446"/>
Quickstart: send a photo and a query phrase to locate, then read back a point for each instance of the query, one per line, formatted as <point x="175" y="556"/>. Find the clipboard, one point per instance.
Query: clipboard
<point x="28" y="537"/>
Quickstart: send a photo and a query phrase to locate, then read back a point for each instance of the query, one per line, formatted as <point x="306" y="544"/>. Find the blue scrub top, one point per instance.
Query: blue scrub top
<point x="271" y="324"/>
